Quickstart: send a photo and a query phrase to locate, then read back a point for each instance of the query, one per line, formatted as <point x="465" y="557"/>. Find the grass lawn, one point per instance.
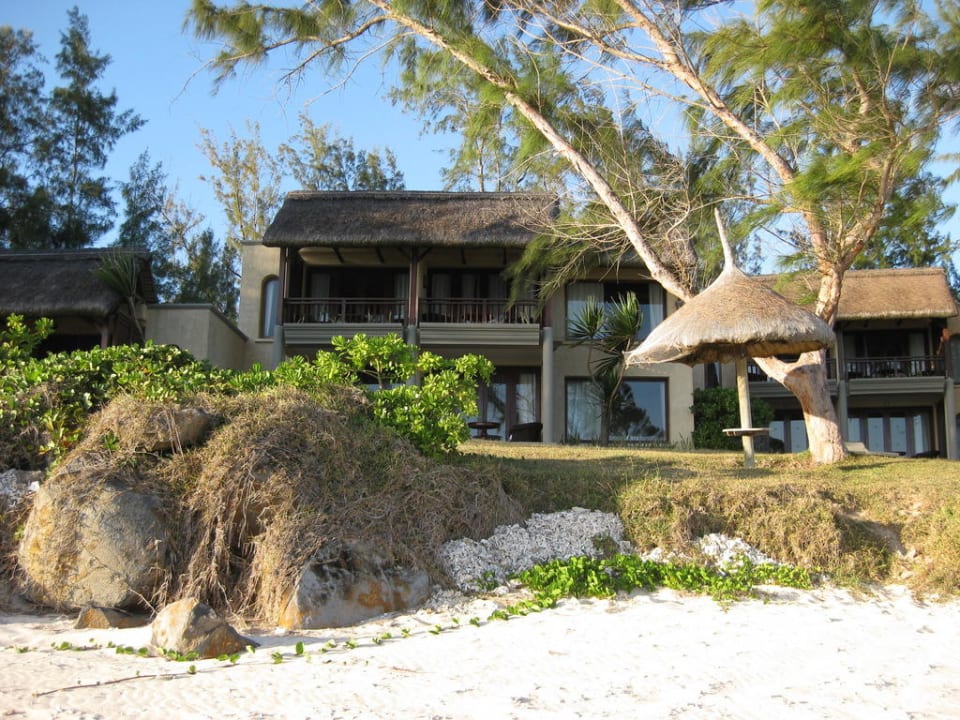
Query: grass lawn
<point x="868" y="519"/>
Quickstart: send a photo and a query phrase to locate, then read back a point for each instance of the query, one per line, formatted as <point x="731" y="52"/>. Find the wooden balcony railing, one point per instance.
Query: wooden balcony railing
<point x="389" y="310"/>
<point x="344" y="310"/>
<point x="478" y="310"/>
<point x="908" y="366"/>
<point x="877" y="367"/>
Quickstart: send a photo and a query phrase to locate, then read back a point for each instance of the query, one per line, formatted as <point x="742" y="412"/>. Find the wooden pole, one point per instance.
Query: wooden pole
<point x="746" y="421"/>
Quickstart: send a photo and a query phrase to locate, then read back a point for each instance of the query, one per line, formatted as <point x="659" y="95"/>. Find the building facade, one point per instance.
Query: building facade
<point x="430" y="267"/>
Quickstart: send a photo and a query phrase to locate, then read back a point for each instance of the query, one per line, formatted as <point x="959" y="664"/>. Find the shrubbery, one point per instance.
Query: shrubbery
<point x="44" y="402"/>
<point x="718" y="408"/>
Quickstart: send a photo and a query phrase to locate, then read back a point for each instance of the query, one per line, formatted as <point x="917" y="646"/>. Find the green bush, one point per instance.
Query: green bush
<point x="431" y="413"/>
<point x="718" y="408"/>
<point x="18" y="339"/>
<point x="44" y="402"/>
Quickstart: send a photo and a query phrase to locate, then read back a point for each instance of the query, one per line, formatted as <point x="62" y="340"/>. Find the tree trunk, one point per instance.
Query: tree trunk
<point x="807" y="380"/>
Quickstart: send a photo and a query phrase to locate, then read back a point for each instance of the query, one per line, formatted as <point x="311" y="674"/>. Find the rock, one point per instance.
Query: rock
<point x="170" y="428"/>
<point x="188" y="626"/>
<point x="350" y="585"/>
<point x="101" y="618"/>
<point x="92" y="543"/>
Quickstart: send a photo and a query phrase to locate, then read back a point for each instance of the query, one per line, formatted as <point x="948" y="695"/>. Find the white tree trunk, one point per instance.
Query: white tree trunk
<point x="807" y="380"/>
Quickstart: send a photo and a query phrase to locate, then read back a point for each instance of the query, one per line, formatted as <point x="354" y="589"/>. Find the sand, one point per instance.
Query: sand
<point x="797" y="654"/>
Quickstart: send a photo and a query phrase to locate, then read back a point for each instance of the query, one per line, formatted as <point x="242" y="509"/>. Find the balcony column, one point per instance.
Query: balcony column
<point x="547" y="393"/>
<point x="277" y="357"/>
<point x="842" y="410"/>
<point x="950" y="419"/>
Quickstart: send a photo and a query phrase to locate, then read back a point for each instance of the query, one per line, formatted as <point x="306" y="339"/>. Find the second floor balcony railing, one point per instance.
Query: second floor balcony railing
<point x="344" y="310"/>
<point x="875" y="367"/>
<point x="394" y="310"/>
<point x="478" y="310"/>
<point x="907" y="366"/>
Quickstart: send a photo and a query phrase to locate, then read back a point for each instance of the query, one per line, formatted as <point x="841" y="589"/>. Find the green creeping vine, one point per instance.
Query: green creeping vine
<point x="594" y="577"/>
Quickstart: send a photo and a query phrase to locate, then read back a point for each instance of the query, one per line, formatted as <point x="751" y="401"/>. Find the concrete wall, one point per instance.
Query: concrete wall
<point x="259" y="263"/>
<point x="201" y="330"/>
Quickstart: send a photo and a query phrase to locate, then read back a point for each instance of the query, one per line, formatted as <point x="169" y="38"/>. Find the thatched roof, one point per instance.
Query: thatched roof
<point x="737" y="316"/>
<point x="408" y="218"/>
<point x="892" y="294"/>
<point x="55" y="283"/>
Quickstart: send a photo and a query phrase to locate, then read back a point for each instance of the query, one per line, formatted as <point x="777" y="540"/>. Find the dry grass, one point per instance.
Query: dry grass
<point x="868" y="519"/>
<point x="281" y="480"/>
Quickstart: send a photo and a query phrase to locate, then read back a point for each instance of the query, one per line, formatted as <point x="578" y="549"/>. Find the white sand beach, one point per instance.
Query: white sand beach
<point x="797" y="654"/>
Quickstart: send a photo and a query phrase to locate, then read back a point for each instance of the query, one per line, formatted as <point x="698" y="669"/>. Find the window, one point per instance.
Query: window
<point x="905" y="432"/>
<point x="512" y="397"/>
<point x="269" y="297"/>
<point x="650" y="296"/>
<point x="639" y="413"/>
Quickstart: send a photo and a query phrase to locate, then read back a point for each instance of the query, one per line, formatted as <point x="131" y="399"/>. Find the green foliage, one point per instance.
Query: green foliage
<point x="610" y="329"/>
<point x="718" y="408"/>
<point x="18" y="340"/>
<point x="593" y="577"/>
<point x="45" y="402"/>
<point x="82" y="125"/>
<point x="319" y="160"/>
<point x="430" y="414"/>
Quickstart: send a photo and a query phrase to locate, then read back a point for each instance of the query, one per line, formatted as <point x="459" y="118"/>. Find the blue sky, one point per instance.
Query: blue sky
<point x="157" y="70"/>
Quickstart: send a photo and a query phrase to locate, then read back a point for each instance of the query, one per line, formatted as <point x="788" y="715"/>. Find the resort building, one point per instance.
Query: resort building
<point x="429" y="266"/>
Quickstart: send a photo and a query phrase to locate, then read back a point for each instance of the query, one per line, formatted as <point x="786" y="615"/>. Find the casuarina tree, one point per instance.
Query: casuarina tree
<point x="814" y="112"/>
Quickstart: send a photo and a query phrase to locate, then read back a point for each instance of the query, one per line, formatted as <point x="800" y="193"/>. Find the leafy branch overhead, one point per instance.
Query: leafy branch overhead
<point x="803" y="119"/>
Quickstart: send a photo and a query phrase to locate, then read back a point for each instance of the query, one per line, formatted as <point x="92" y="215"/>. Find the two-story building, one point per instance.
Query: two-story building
<point x="430" y="267"/>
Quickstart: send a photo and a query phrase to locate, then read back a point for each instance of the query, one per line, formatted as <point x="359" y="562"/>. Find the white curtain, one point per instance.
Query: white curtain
<point x="578" y="295"/>
<point x="527" y="398"/>
<point x="583" y="411"/>
<point x="655" y="309"/>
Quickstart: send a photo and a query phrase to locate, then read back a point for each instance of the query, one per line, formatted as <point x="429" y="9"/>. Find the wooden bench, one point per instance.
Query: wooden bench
<point x="745" y="432"/>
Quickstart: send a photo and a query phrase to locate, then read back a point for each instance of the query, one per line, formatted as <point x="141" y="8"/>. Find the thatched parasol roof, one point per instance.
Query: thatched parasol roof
<point x="736" y="317"/>
<point x="408" y="218"/>
<point x="891" y="294"/>
<point x="54" y="283"/>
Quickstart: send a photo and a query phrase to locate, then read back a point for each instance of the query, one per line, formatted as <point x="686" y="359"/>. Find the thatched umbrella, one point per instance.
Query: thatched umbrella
<point x="735" y="318"/>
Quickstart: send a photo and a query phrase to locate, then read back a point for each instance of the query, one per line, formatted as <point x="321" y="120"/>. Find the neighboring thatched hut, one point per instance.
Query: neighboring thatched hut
<point x="871" y="295"/>
<point x="64" y="285"/>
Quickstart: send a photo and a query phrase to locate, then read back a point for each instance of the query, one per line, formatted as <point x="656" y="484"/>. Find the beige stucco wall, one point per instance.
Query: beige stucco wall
<point x="258" y="264"/>
<point x="199" y="329"/>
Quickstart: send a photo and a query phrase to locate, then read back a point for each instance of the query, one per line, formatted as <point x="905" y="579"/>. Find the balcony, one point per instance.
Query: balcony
<point x="914" y="366"/>
<point x="894" y="367"/>
<point x="478" y="310"/>
<point x="344" y="310"/>
<point x="444" y="321"/>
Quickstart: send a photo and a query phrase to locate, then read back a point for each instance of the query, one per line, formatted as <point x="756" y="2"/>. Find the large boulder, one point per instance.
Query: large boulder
<point x="92" y="542"/>
<point x="188" y="626"/>
<point x="349" y="585"/>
